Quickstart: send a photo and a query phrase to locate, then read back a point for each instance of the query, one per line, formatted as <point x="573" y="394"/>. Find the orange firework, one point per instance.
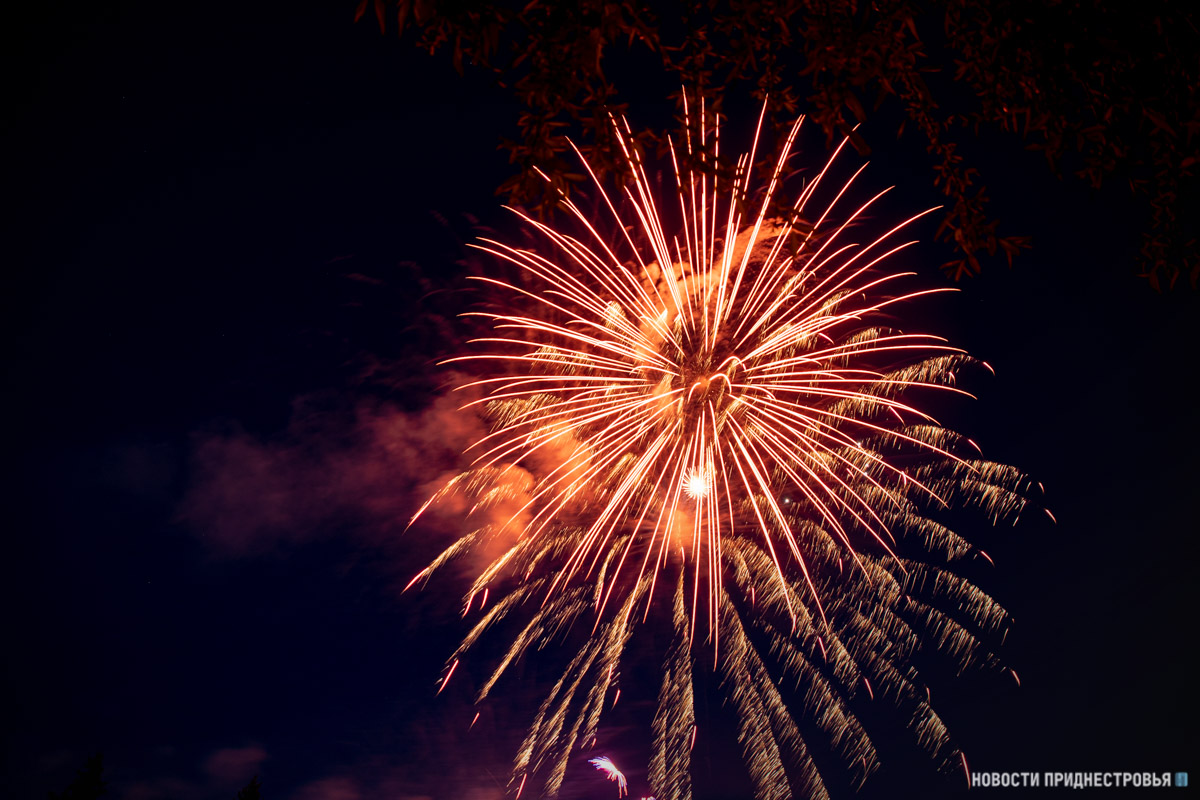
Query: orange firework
<point x="710" y="414"/>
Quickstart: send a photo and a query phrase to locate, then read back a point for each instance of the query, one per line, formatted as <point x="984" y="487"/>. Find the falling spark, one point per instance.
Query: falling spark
<point x="446" y="680"/>
<point x="720" y="424"/>
<point x="605" y="765"/>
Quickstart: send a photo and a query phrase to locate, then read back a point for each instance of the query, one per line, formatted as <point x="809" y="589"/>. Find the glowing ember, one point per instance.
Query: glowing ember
<point x="612" y="773"/>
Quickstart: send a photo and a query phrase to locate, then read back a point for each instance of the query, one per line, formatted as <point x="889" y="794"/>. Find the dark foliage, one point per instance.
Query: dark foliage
<point x="88" y="784"/>
<point x="252" y="790"/>
<point x="1106" y="91"/>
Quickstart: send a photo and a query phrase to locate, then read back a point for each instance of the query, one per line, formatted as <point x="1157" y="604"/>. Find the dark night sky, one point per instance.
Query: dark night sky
<point x="234" y="230"/>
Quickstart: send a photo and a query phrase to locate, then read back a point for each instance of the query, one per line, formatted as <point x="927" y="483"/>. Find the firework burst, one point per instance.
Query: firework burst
<point x="709" y="418"/>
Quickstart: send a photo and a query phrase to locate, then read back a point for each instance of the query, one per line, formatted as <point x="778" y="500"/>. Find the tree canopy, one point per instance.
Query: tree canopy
<point x="1105" y="91"/>
<point x="251" y="791"/>
<point x="88" y="784"/>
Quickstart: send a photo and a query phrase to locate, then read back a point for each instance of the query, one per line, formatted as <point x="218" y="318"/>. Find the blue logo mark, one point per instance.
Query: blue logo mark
<point x="1181" y="779"/>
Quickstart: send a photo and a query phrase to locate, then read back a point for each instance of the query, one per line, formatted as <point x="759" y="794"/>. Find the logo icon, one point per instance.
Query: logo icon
<point x="1181" y="779"/>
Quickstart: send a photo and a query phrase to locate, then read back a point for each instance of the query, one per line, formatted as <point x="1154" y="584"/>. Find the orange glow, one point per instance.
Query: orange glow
<point x="715" y="394"/>
<point x="711" y="370"/>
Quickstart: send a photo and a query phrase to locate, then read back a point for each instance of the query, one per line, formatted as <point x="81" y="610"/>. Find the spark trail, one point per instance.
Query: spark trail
<point x="709" y="417"/>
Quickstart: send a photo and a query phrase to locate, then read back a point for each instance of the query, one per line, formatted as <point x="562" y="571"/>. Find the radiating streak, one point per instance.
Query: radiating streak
<point x="550" y="435"/>
<point x="780" y="455"/>
<point x="751" y="310"/>
<point x="446" y="680"/>
<point x="665" y="398"/>
<point x="798" y="208"/>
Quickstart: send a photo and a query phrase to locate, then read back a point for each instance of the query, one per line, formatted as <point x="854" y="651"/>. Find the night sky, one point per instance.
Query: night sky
<point x="236" y="244"/>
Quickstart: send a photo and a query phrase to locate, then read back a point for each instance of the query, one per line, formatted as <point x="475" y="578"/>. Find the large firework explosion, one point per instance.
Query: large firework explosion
<point x="708" y="423"/>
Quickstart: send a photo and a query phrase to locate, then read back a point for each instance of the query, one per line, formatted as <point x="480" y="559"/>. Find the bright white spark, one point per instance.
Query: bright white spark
<point x="605" y="765"/>
<point x="698" y="484"/>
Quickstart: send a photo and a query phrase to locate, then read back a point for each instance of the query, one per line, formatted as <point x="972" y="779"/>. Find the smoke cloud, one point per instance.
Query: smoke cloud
<point x="364" y="469"/>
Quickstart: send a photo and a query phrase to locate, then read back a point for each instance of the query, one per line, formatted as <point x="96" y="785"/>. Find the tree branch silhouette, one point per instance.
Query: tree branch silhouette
<point x="1106" y="91"/>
